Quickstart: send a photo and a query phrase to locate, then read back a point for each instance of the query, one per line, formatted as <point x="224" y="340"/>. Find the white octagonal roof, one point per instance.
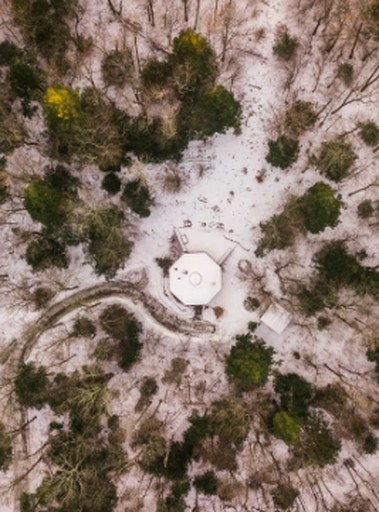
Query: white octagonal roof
<point x="195" y="278"/>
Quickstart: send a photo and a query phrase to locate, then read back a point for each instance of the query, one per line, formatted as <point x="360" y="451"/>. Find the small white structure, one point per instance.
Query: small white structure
<point x="215" y="245"/>
<point x="195" y="279"/>
<point x="276" y="318"/>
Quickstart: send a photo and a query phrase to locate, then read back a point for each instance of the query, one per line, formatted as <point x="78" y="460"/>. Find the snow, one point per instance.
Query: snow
<point x="227" y="189"/>
<point x="195" y="279"/>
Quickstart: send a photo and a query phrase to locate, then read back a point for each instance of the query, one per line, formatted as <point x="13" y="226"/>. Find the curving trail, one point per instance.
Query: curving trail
<point x="133" y="287"/>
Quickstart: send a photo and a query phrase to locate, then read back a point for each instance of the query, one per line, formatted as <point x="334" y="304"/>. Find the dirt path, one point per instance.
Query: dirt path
<point x="133" y="287"/>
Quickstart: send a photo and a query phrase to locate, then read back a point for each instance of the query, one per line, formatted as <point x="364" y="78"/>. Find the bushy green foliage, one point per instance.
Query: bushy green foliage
<point x="343" y="269"/>
<point x="335" y="159"/>
<point x="249" y="362"/>
<point x="369" y="133"/>
<point x="295" y="394"/>
<point x="315" y="298"/>
<point x="44" y="24"/>
<point x="91" y="128"/>
<point x="148" y="388"/>
<point x="108" y="245"/>
<point x="32" y="385"/>
<point x="4" y="189"/>
<point x="284" y="496"/>
<point x="285" y="46"/>
<point x="116" y="67"/>
<point x="345" y="72"/>
<point x="206" y="483"/>
<point x="83" y="455"/>
<point x="84" y="327"/>
<point x="194" y="63"/>
<point x="319" y="207"/>
<point x="156" y="73"/>
<point x="5" y="448"/>
<point x="280" y="231"/>
<point x="153" y="142"/>
<point x="283" y="151"/>
<point x="214" y="110"/>
<point x="365" y="209"/>
<point x="318" y="446"/>
<point x="25" y="81"/>
<point x="49" y="200"/>
<point x="373" y="356"/>
<point x="299" y="118"/>
<point x="372" y="17"/>
<point x="12" y="130"/>
<point x="111" y="183"/>
<point x="230" y="420"/>
<point x="44" y="252"/>
<point x="9" y="53"/>
<point x="41" y="296"/>
<point x="124" y="328"/>
<point x="137" y="196"/>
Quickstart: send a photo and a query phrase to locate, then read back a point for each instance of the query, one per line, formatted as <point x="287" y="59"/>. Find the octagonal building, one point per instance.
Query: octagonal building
<point x="195" y="279"/>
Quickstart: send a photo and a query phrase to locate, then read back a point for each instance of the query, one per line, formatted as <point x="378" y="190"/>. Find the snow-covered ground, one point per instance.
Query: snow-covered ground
<point x="227" y="189"/>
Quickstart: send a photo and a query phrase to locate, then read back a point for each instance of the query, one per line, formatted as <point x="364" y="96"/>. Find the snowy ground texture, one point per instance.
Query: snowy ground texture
<point x="228" y="188"/>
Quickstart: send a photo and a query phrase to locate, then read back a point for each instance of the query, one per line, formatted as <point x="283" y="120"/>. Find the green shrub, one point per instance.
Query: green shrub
<point x="137" y="196"/>
<point x="111" y="183"/>
<point x="332" y="397"/>
<point x="194" y="63"/>
<point x="43" y="23"/>
<point x="32" y="385"/>
<point x="365" y="209"/>
<point x="370" y="444"/>
<point x="41" y="296"/>
<point x="284" y="496"/>
<point x="285" y="46"/>
<point x="230" y="420"/>
<point x="49" y="200"/>
<point x="156" y="73"/>
<point x="89" y="126"/>
<point x="318" y="446"/>
<point x="206" y="483"/>
<point x="108" y="245"/>
<point x="148" y="388"/>
<point x="314" y="299"/>
<point x="9" y="53"/>
<point x="213" y="111"/>
<point x="299" y="118"/>
<point x="280" y="231"/>
<point x="286" y="427"/>
<point x="4" y="189"/>
<point x="153" y="142"/>
<point x="116" y="67"/>
<point x="25" y="81"/>
<point x="12" y="130"/>
<point x="372" y="17"/>
<point x="372" y="355"/>
<point x="125" y="328"/>
<point x="342" y="269"/>
<point x="5" y="448"/>
<point x="283" y="151"/>
<point x="84" y="327"/>
<point x="249" y="362"/>
<point x="295" y="394"/>
<point x="44" y="252"/>
<point x="319" y="207"/>
<point x="335" y="159"/>
<point x="369" y="133"/>
<point x="345" y="72"/>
